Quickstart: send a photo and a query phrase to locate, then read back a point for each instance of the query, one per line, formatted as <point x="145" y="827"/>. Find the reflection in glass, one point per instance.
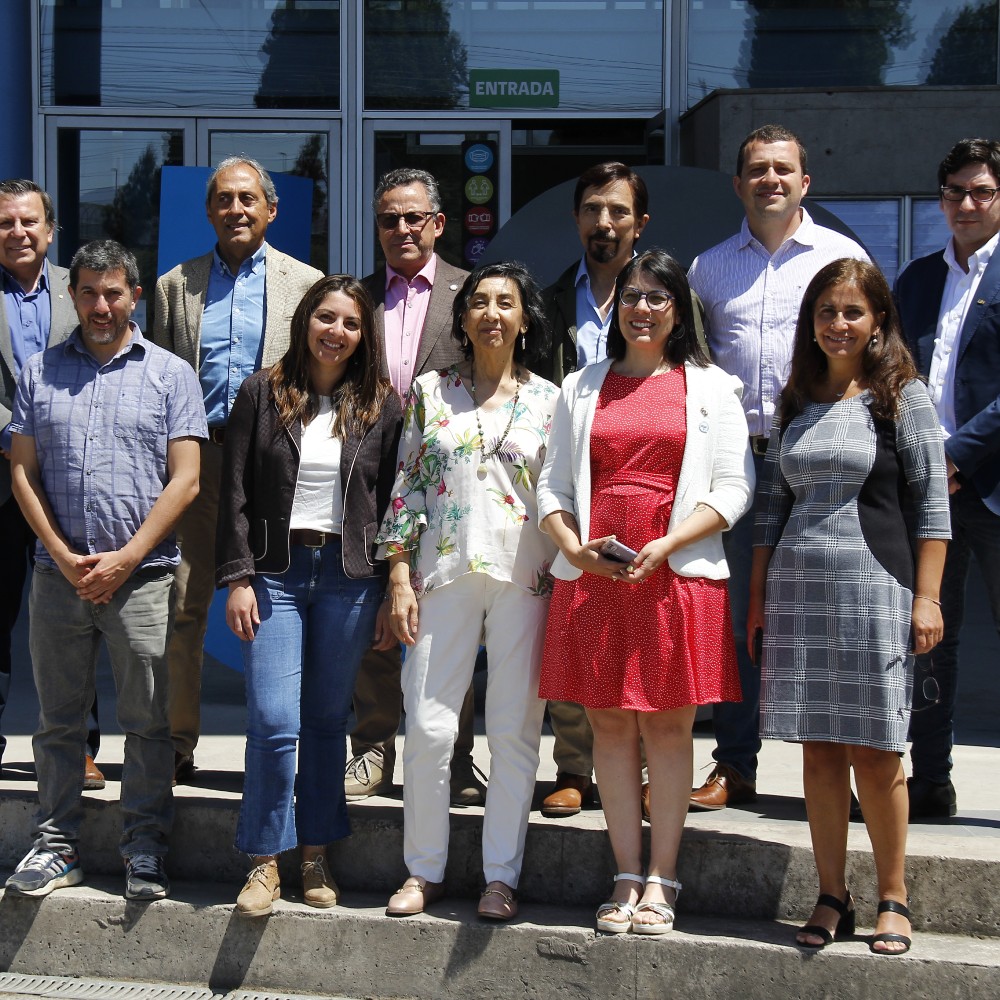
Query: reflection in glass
<point x="109" y="188"/>
<point x="180" y="54"/>
<point x="418" y="53"/>
<point x="302" y="154"/>
<point x="930" y="231"/>
<point x="876" y="225"/>
<point x="839" y="43"/>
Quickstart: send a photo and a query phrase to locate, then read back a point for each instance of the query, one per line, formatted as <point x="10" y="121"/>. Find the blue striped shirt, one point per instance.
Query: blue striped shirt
<point x="752" y="304"/>
<point x="101" y="434"/>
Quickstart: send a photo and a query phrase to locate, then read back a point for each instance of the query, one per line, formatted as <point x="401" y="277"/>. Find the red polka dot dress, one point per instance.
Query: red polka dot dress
<point x="648" y="647"/>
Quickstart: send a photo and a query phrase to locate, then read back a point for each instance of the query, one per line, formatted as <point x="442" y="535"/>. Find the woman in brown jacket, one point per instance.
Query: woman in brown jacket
<point x="308" y="466"/>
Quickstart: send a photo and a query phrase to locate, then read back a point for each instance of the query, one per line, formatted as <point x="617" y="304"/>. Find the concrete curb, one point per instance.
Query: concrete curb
<point x="552" y="953"/>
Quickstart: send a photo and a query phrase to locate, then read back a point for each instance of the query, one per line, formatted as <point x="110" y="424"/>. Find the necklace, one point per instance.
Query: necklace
<point x="502" y="440"/>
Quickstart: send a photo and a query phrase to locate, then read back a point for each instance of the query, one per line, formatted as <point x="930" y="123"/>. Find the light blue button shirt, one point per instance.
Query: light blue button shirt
<point x="591" y="330"/>
<point x="232" y="332"/>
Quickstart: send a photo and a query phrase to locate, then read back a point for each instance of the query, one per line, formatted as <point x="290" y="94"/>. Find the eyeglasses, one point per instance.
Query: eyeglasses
<point x="930" y="689"/>
<point x="981" y="195"/>
<point x="413" y="220"/>
<point x="656" y="300"/>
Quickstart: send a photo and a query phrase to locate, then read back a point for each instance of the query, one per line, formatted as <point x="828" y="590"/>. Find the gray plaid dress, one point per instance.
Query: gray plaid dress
<point x="841" y="496"/>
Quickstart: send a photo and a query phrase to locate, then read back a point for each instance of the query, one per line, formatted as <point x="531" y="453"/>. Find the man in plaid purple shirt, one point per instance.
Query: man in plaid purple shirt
<point x="105" y="458"/>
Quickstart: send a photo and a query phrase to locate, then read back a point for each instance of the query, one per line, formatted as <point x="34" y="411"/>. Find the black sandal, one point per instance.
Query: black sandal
<point x="845" y="926"/>
<point x="891" y="906"/>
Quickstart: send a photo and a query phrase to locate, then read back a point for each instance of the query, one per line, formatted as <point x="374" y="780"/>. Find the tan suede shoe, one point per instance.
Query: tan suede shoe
<point x="262" y="888"/>
<point x="318" y="887"/>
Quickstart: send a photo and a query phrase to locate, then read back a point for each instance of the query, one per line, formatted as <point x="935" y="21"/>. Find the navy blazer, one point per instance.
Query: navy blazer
<point x="975" y="446"/>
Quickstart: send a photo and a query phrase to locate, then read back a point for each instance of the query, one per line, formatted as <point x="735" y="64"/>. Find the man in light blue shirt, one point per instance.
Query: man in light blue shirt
<point x="36" y="312"/>
<point x="228" y="314"/>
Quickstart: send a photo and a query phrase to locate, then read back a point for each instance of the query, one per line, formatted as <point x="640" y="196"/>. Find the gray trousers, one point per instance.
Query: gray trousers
<point x="64" y="638"/>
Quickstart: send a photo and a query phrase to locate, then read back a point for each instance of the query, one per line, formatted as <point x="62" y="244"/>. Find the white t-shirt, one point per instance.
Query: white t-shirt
<point x="319" y="500"/>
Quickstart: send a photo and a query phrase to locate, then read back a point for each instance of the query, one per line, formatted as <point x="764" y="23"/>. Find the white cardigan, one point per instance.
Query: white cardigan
<point x="717" y="468"/>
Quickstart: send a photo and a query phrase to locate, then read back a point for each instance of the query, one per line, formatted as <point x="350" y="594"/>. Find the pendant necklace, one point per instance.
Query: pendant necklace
<point x="495" y="450"/>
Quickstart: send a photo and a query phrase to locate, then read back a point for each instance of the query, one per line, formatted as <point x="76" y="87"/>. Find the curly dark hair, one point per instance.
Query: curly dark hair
<point x="887" y="365"/>
<point x="359" y="396"/>
<point x="682" y="344"/>
<point x="536" y="337"/>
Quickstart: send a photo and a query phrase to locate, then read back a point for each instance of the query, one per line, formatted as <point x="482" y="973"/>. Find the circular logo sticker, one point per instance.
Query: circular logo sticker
<point x="479" y="221"/>
<point x="475" y="248"/>
<point x="478" y="190"/>
<point x="479" y="158"/>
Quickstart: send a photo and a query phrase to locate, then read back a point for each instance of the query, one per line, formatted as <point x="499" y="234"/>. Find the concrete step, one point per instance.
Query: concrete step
<point x="551" y="952"/>
<point x="741" y="864"/>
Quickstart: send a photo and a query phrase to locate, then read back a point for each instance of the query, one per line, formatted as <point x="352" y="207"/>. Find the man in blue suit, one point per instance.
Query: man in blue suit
<point x="949" y="303"/>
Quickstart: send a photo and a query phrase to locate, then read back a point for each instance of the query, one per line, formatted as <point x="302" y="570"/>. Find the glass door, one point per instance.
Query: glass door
<point x="301" y="148"/>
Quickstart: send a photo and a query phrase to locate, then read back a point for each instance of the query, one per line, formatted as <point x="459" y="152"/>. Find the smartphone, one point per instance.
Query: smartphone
<point x="758" y="646"/>
<point x="613" y="549"/>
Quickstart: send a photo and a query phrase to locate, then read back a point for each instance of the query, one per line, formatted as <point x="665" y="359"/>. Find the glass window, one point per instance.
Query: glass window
<point x="839" y="43"/>
<point x="301" y="154"/>
<point x="514" y="54"/>
<point x="930" y="232"/>
<point x="876" y="225"/>
<point x="181" y="54"/>
<point x="109" y="188"/>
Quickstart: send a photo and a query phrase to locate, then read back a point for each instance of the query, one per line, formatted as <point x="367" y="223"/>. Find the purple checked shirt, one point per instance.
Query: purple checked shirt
<point x="101" y="434"/>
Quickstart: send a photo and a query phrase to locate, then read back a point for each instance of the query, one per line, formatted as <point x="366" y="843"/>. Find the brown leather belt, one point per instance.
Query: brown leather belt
<point x="217" y="435"/>
<point x="310" y="538"/>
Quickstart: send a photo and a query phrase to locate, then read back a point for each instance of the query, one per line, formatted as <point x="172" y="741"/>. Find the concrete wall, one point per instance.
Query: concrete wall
<point x="15" y="86"/>
<point x="861" y="141"/>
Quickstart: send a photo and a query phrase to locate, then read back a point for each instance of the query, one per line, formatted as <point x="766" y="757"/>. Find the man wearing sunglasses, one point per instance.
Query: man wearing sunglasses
<point x="752" y="286"/>
<point x="413" y="295"/>
<point x="949" y="305"/>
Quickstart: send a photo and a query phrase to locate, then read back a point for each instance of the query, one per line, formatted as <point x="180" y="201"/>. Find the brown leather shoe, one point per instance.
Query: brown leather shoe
<point x="571" y="793"/>
<point x="645" y="801"/>
<point x="413" y="896"/>
<point x="93" y="780"/>
<point x="183" y="768"/>
<point x="498" y="902"/>
<point x="723" y="787"/>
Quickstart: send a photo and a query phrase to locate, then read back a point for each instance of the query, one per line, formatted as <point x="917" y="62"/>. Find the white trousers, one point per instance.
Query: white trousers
<point x="436" y="675"/>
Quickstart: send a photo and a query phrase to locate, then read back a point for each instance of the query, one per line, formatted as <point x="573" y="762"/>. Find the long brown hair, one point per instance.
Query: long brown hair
<point x="886" y="364"/>
<point x="359" y="395"/>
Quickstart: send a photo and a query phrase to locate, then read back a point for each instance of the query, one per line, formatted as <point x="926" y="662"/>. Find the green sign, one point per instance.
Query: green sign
<point x="514" y="88"/>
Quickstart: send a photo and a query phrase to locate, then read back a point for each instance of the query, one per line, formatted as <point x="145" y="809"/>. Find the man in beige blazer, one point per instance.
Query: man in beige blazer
<point x="228" y="314"/>
<point x="413" y="297"/>
<point x="36" y="312"/>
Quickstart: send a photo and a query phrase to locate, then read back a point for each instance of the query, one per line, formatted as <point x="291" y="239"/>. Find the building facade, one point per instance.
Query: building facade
<point x="500" y="99"/>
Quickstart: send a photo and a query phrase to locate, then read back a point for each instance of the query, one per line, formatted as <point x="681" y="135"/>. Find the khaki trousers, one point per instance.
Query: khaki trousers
<point x="574" y="747"/>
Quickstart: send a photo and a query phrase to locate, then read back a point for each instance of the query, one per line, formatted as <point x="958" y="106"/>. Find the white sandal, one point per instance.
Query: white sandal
<point x="663" y="910"/>
<point x="628" y="909"/>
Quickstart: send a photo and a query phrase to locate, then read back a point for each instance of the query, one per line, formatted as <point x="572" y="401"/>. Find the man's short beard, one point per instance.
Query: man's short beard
<point x="603" y="253"/>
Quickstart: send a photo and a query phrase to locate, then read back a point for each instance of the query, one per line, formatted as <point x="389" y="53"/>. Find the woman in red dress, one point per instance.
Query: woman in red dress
<point x="648" y="448"/>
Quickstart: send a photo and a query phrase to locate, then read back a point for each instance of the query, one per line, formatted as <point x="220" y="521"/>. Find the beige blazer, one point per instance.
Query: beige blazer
<point x="63" y="322"/>
<point x="180" y="301"/>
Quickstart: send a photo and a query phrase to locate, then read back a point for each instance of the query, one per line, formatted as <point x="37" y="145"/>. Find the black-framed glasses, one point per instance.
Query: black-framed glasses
<point x="982" y="195"/>
<point x="655" y="299"/>
<point x="413" y="220"/>
<point x="930" y="689"/>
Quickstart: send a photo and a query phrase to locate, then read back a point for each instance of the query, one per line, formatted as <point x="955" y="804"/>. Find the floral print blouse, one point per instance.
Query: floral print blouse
<point x="453" y="519"/>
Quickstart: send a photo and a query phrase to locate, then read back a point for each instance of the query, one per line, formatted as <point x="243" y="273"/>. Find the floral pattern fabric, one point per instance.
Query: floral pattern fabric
<point x="452" y="521"/>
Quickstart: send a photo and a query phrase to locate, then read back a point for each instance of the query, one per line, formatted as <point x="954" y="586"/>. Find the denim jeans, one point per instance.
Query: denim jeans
<point x="737" y="724"/>
<point x="315" y="625"/>
<point x="975" y="530"/>
<point x="64" y="637"/>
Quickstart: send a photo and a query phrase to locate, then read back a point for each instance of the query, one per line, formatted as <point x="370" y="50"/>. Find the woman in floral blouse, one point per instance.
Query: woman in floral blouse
<point x="468" y="564"/>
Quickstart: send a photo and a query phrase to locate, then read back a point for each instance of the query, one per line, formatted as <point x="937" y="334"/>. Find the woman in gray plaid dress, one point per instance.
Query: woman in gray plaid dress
<point x="850" y="538"/>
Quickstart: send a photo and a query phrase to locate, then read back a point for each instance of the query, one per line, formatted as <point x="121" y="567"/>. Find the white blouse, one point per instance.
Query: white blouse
<point x="319" y="502"/>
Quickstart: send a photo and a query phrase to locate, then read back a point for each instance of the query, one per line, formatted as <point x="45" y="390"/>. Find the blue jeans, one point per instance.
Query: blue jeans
<point x="737" y="724"/>
<point x="975" y="530"/>
<point x="64" y="638"/>
<point x="315" y="624"/>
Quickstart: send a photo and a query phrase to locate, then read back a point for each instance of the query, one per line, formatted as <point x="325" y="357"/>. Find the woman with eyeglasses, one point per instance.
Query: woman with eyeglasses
<point x="850" y="540"/>
<point x="649" y="449"/>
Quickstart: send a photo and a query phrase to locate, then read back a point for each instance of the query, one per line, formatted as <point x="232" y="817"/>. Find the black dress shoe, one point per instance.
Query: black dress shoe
<point x="931" y="799"/>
